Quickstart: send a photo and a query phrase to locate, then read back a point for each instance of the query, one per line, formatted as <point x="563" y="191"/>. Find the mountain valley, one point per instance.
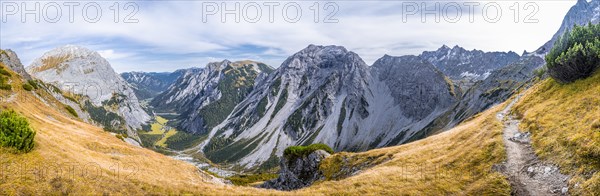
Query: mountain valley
<point x="451" y="121"/>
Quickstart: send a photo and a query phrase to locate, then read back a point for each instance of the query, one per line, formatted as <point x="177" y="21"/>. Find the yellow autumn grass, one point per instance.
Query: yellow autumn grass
<point x="564" y="120"/>
<point x="456" y="162"/>
<point x="92" y="161"/>
<point x="157" y="126"/>
<point x="51" y="63"/>
<point x="73" y="157"/>
<point x="163" y="140"/>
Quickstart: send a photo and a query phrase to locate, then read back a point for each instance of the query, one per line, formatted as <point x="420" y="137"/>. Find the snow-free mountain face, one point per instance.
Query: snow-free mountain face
<point x="147" y="85"/>
<point x="10" y="59"/>
<point x="84" y="74"/>
<point x="496" y="88"/>
<point x="203" y="98"/>
<point x="582" y="13"/>
<point x="464" y="66"/>
<point x="326" y="94"/>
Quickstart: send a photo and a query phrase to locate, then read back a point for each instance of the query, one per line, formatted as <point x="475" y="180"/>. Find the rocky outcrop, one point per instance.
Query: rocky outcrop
<point x="10" y="59"/>
<point x="91" y="81"/>
<point x="298" y="172"/>
<point x="582" y="13"/>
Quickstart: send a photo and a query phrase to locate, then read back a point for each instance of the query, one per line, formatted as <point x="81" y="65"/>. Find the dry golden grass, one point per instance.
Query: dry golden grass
<point x="564" y="122"/>
<point x="52" y="62"/>
<point x="455" y="162"/>
<point x="73" y="157"/>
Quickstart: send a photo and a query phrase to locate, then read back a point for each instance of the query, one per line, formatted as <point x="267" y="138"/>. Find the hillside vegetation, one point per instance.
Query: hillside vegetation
<point x="564" y="120"/>
<point x="456" y="162"/>
<point x="15" y="132"/>
<point x="576" y="54"/>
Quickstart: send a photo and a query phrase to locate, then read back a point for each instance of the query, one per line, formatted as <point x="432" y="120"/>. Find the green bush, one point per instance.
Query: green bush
<point x="5" y="86"/>
<point x="71" y="111"/>
<point x="575" y="55"/>
<point x="120" y="137"/>
<point x="4" y="72"/>
<point x="248" y="179"/>
<point x="33" y="83"/>
<point x="15" y="132"/>
<point x="27" y="87"/>
<point x="4" y="79"/>
<point x="301" y="151"/>
<point x="540" y="72"/>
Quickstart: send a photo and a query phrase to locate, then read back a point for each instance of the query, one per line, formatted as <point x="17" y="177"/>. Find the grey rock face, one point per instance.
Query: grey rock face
<point x="10" y="59"/>
<point x="582" y="13"/>
<point x="327" y="94"/>
<point x="416" y="85"/>
<point x="205" y="97"/>
<point x="495" y="89"/>
<point x="81" y="71"/>
<point x="298" y="173"/>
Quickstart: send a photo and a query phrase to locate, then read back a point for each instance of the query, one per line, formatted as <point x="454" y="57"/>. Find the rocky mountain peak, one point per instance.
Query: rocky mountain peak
<point x="580" y="14"/>
<point x="217" y="66"/>
<point x="321" y="57"/>
<point x="10" y="59"/>
<point x="81" y="71"/>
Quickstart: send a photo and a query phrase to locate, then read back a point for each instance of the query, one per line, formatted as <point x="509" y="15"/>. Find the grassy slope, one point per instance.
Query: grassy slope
<point x="564" y="120"/>
<point x="70" y="145"/>
<point x="458" y="161"/>
<point x="455" y="162"/>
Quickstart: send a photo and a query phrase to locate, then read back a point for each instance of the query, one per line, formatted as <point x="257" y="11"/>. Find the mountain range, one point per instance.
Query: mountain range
<point x="446" y="109"/>
<point x="249" y="112"/>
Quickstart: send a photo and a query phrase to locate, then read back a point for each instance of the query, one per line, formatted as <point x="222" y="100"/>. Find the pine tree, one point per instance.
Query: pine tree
<point x="576" y="54"/>
<point x="15" y="132"/>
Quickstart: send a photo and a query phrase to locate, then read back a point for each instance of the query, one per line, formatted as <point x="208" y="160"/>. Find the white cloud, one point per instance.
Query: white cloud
<point x="111" y="55"/>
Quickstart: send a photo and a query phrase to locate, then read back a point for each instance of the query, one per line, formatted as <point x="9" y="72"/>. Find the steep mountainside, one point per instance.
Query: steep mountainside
<point x="582" y="13"/>
<point x="205" y="97"/>
<point x="92" y="82"/>
<point x="12" y="61"/>
<point x="328" y="94"/>
<point x="147" y="85"/>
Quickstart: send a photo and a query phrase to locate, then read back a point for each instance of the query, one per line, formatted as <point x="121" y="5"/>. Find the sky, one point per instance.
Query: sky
<point x="160" y="36"/>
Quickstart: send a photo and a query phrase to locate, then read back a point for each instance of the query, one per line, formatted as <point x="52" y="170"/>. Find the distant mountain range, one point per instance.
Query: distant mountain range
<point x="465" y="67"/>
<point x="328" y="94"/>
<point x="148" y="85"/>
<point x="249" y="112"/>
